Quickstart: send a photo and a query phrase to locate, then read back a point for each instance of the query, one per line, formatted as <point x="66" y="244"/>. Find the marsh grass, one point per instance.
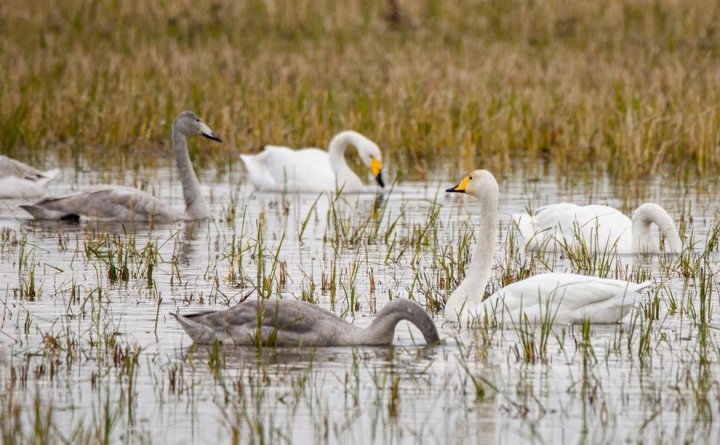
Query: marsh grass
<point x="627" y="87"/>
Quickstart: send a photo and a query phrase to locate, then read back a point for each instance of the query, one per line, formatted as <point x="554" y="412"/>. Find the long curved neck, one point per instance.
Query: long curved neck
<point x="471" y="291"/>
<point x="644" y="216"/>
<point x="336" y="153"/>
<point x="382" y="329"/>
<point x="195" y="205"/>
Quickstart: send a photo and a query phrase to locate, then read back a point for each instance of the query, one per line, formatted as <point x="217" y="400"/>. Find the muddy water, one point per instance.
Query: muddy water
<point x="88" y="351"/>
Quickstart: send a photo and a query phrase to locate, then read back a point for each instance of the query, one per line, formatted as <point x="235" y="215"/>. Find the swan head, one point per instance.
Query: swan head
<point x="480" y="184"/>
<point x="189" y="124"/>
<point x="371" y="156"/>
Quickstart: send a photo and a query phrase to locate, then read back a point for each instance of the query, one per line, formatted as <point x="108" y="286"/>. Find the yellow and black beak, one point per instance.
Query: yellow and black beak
<point x="376" y="170"/>
<point x="460" y="188"/>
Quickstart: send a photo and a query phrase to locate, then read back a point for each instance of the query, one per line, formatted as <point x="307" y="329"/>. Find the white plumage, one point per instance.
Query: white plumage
<point x="279" y="169"/>
<point x="597" y="228"/>
<point x="552" y="297"/>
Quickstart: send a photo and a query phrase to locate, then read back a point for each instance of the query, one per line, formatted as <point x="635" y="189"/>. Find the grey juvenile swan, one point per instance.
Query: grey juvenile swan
<point x="129" y="204"/>
<point x="296" y="323"/>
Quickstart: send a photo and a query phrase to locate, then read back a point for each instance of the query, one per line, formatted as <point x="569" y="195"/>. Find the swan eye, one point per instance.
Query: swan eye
<point x="471" y="178"/>
<point x="197" y="120"/>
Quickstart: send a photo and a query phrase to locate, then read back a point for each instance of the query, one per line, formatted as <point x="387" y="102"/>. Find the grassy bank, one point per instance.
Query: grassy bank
<point x="627" y="86"/>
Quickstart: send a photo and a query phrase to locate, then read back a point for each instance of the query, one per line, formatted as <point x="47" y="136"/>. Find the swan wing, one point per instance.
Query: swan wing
<point x="604" y="228"/>
<point x="11" y="167"/>
<point x="279" y="168"/>
<point x="273" y="322"/>
<point x="102" y="202"/>
<point x="565" y="298"/>
<point x="551" y="223"/>
<point x="598" y="227"/>
<point x="18" y="180"/>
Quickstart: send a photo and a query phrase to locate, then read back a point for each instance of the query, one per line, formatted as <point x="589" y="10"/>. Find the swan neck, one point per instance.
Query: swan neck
<point x="471" y="291"/>
<point x="195" y="205"/>
<point x="646" y="215"/>
<point x="336" y="153"/>
<point x="382" y="329"/>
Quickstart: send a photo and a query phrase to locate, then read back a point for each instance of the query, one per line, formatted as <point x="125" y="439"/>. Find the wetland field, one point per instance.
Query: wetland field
<point x="610" y="103"/>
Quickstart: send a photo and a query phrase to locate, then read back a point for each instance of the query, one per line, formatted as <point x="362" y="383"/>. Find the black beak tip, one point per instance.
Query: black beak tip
<point x="213" y="137"/>
<point x="379" y="180"/>
<point x="454" y="190"/>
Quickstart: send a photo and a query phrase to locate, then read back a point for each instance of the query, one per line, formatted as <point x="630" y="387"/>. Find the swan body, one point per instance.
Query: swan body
<point x="597" y="228"/>
<point x="557" y="298"/>
<point x="19" y="180"/>
<point x="551" y="297"/>
<point x="297" y="323"/>
<point x="129" y="204"/>
<point x="279" y="169"/>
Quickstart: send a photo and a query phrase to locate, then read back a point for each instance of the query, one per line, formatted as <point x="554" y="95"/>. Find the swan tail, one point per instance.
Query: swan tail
<point x="198" y="332"/>
<point x="525" y="226"/>
<point x="257" y="172"/>
<point x="248" y="161"/>
<point x="642" y="286"/>
<point x="608" y="311"/>
<point x="616" y="308"/>
<point x="39" y="212"/>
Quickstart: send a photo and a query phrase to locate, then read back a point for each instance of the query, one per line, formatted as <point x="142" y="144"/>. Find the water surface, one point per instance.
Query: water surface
<point x="88" y="350"/>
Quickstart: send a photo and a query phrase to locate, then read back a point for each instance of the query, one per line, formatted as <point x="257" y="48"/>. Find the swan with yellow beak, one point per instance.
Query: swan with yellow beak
<point x="312" y="170"/>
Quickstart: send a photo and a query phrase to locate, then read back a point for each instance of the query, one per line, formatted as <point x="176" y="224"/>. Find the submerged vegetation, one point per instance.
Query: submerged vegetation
<point x="90" y="356"/>
<point x="626" y="86"/>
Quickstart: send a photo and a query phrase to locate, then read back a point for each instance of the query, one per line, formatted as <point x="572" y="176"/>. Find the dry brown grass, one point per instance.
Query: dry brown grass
<point x="626" y="86"/>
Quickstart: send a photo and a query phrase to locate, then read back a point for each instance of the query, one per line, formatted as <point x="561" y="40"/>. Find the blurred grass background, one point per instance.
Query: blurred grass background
<point x="627" y="87"/>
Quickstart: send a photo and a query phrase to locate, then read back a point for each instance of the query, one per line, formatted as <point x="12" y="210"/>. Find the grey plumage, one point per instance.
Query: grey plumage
<point x="129" y="204"/>
<point x="104" y="202"/>
<point x="296" y="323"/>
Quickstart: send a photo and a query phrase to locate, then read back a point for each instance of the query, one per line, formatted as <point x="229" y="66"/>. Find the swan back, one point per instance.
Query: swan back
<point x="104" y="203"/>
<point x="651" y="213"/>
<point x="19" y="180"/>
<point x="561" y="298"/>
<point x="595" y="228"/>
<point x="281" y="169"/>
<point x="268" y="322"/>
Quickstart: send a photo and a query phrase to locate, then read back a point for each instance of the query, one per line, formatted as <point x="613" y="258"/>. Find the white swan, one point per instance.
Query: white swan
<point x="598" y="228"/>
<point x="555" y="297"/>
<point x="19" y="180"/>
<point x="314" y="170"/>
<point x="130" y="204"/>
<point x="297" y="323"/>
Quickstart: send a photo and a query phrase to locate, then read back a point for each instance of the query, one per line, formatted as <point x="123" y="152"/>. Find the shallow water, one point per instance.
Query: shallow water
<point x="87" y="353"/>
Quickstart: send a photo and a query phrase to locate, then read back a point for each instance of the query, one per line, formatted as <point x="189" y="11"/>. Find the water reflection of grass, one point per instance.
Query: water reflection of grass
<point x="628" y="87"/>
